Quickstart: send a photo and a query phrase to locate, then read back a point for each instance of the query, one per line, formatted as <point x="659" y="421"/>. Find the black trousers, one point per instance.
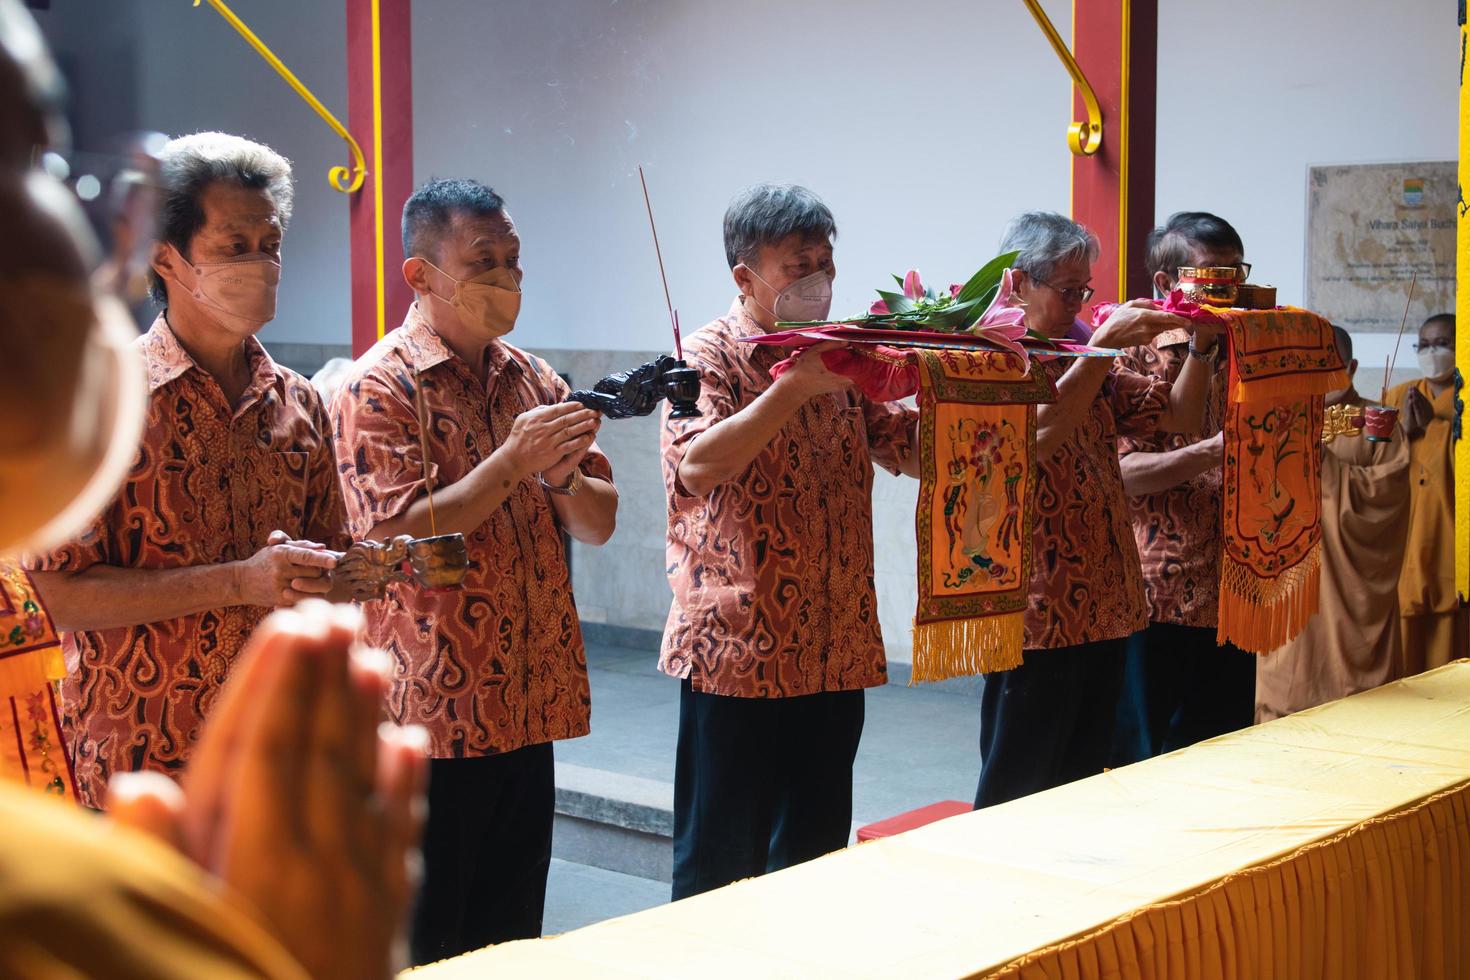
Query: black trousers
<point x="1179" y="688"/>
<point x="487" y="850"/>
<point x="1048" y="721"/>
<point x="760" y="783"/>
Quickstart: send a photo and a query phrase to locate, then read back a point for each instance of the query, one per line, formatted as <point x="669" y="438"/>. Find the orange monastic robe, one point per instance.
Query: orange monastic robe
<point x="1352" y="643"/>
<point x="1434" y="622"/>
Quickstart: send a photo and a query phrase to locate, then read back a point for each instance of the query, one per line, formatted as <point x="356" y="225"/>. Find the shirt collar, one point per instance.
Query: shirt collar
<point x="167" y="360"/>
<point x="426" y="349"/>
<point x="742" y="324"/>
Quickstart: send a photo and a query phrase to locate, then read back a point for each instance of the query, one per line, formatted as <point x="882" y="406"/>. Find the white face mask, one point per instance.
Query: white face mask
<point x="809" y="298"/>
<point x="1436" y="362"/>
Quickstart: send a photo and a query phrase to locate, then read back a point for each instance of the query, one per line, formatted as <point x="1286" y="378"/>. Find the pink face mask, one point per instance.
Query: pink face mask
<point x="240" y="293"/>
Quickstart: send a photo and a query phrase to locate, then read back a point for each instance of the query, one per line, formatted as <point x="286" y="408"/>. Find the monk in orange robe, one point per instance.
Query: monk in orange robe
<point x="1352" y="643"/>
<point x="1435" y="625"/>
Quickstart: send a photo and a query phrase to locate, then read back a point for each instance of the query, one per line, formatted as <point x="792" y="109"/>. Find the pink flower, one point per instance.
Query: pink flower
<point x="954" y="290"/>
<point x="878" y="307"/>
<point x="912" y="287"/>
<point x="1004" y="321"/>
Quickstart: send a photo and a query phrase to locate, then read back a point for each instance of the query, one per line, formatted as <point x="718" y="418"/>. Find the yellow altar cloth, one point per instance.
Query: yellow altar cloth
<point x="1330" y="843"/>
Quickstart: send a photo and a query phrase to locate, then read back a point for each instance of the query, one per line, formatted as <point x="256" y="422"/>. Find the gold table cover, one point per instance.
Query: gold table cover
<point x="1333" y="843"/>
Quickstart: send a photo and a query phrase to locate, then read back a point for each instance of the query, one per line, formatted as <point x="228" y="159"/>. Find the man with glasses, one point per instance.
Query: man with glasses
<point x="1050" y="720"/>
<point x="1434" y="620"/>
<point x="1181" y="687"/>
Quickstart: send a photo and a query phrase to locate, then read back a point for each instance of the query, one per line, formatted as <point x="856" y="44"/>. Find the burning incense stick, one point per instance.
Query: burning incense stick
<point x="418" y="395"/>
<point x="673" y="316"/>
<point x="1393" y="355"/>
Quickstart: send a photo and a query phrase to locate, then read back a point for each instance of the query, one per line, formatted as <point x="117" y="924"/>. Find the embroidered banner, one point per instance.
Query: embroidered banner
<point x="1281" y="364"/>
<point x="32" y="748"/>
<point x="977" y="440"/>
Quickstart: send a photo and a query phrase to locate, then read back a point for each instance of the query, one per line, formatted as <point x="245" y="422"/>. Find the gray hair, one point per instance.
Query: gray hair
<point x="764" y="214"/>
<point x="189" y="164"/>
<point x="1045" y="240"/>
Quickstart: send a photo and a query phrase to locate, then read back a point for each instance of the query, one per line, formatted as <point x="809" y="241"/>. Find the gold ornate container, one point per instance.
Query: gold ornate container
<point x="1214" y="285"/>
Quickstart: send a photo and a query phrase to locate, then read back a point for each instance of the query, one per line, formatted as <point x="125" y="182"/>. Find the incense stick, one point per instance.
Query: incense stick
<point x="1393" y="355"/>
<point x="673" y="315"/>
<point x="418" y="395"/>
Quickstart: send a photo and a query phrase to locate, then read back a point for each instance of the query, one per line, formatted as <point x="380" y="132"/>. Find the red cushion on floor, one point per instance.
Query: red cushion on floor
<point x="912" y="819"/>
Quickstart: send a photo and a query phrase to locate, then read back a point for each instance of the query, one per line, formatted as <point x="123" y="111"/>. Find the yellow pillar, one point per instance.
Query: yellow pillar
<point x="1462" y="311"/>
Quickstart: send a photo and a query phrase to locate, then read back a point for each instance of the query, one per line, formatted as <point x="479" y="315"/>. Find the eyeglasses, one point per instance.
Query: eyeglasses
<point x="1076" y="294"/>
<point x="1434" y="345"/>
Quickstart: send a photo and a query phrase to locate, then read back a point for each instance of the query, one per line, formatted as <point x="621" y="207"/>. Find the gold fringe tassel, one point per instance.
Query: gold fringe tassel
<point x="966" y="647"/>
<point x="1260" y="615"/>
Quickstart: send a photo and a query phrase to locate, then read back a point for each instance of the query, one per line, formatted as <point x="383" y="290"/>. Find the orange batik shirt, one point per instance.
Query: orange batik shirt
<point x="1178" y="530"/>
<point x="209" y="484"/>
<point x="498" y="664"/>
<point x="772" y="572"/>
<point x="1086" y="583"/>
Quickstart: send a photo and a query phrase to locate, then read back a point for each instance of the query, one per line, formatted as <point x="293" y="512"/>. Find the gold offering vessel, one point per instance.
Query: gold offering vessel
<point x="1210" y="285"/>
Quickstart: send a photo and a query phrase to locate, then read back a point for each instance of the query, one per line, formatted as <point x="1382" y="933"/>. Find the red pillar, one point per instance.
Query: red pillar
<point x="1115" y="43"/>
<point x="380" y="116"/>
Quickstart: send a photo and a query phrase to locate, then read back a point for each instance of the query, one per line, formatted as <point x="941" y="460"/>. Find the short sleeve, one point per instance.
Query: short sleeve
<point x="717" y="402"/>
<point x="375" y="432"/>
<point x="891" y="427"/>
<point x="1138" y="401"/>
<point x="80" y="553"/>
<point x="1136" y="359"/>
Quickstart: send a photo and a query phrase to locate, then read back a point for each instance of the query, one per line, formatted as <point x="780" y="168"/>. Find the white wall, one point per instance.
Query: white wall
<point x="166" y="65"/>
<point x="555" y="103"/>
<point x="1316" y="82"/>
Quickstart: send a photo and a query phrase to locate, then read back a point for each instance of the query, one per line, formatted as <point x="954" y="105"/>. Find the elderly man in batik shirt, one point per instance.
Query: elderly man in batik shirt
<point x="774" y="627"/>
<point x="495" y="671"/>
<point x="1181" y="686"/>
<point x="1050" y="720"/>
<point x="158" y="596"/>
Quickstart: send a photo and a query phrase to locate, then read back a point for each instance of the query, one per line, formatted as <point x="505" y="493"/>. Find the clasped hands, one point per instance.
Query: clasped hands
<point x="297" y="800"/>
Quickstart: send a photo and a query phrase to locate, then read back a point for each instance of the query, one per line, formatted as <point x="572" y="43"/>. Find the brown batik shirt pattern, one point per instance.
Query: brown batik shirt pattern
<point x="1086" y="584"/>
<point x="498" y="664"/>
<point x="772" y="571"/>
<point x="1178" y="530"/>
<point x="209" y="484"/>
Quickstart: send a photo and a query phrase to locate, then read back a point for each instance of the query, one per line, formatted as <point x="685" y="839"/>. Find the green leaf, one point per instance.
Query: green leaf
<point x="899" y="280"/>
<point x="988" y="277"/>
<point x="897" y="302"/>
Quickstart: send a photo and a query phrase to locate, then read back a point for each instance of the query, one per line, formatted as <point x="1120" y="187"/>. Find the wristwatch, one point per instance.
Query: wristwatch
<point x="1207" y="355"/>
<point x="574" y="483"/>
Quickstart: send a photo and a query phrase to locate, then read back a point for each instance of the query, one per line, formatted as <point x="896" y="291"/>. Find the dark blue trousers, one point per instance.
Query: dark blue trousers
<point x="760" y="784"/>
<point x="487" y="851"/>
<point x="1048" y="721"/>
<point x="1179" y="688"/>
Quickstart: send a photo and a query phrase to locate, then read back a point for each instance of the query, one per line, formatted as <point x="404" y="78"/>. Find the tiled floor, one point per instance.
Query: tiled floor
<point x="919" y="746"/>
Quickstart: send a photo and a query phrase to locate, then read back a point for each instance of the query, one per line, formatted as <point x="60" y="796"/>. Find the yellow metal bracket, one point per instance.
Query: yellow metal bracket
<point x="344" y="180"/>
<point x="1083" y="138"/>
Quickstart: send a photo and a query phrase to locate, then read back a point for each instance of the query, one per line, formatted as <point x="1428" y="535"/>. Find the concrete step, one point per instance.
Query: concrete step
<point x="614" y="821"/>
